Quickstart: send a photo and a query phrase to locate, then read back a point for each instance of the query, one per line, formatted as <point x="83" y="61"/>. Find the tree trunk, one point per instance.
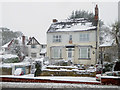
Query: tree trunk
<point x="119" y="52"/>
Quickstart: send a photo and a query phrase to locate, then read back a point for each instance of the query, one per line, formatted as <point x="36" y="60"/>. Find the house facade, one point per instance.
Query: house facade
<point x="35" y="49"/>
<point x="73" y="40"/>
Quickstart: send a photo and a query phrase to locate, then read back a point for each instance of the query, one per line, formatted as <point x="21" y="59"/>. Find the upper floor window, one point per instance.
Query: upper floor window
<point x="33" y="46"/>
<point x="70" y="38"/>
<point x="84" y="37"/>
<point x="56" y="38"/>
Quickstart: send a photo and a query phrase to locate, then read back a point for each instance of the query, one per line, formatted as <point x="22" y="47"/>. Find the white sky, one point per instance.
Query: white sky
<point x="34" y="18"/>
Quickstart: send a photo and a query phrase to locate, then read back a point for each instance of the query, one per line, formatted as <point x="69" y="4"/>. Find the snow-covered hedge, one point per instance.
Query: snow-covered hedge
<point x="9" y="58"/>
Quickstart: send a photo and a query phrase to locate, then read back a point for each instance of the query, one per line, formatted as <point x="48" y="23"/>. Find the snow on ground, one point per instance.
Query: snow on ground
<point x="51" y="85"/>
<point x="61" y="78"/>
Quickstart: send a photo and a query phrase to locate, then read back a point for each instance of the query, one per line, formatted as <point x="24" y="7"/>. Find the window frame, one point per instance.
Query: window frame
<point x="84" y="37"/>
<point x="70" y="37"/>
<point x="34" y="56"/>
<point x="87" y="53"/>
<point x="57" y="38"/>
<point x="33" y="46"/>
<point x="56" y="53"/>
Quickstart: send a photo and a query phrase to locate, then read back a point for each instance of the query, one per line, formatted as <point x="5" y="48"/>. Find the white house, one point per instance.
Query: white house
<point x="74" y="40"/>
<point x="35" y="49"/>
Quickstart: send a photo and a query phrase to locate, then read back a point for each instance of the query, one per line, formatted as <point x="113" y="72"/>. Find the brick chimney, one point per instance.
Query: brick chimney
<point x="23" y="40"/>
<point x="55" y="20"/>
<point x="30" y="38"/>
<point x="96" y="13"/>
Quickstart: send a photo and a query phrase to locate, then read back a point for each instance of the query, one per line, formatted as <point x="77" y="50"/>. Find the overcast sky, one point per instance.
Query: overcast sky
<point x="34" y="18"/>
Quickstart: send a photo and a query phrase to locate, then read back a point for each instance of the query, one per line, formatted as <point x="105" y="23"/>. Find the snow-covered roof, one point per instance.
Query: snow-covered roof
<point x="43" y="50"/>
<point x="71" y="25"/>
<point x="19" y="39"/>
<point x="6" y="45"/>
<point x="108" y="39"/>
<point x="106" y="44"/>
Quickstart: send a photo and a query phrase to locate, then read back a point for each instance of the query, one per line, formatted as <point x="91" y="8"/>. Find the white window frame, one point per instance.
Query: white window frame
<point x="57" y="38"/>
<point x="70" y="52"/>
<point x="33" y="55"/>
<point x="33" y="46"/>
<point x="56" y="52"/>
<point x="84" y="37"/>
<point x="70" y="38"/>
<point x="87" y="55"/>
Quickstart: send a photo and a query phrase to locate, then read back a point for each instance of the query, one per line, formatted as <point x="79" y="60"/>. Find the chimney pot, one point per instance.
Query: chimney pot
<point x="55" y="20"/>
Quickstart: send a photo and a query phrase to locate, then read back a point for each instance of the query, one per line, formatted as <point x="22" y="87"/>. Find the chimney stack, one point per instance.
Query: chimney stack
<point x="96" y="13"/>
<point x="23" y="40"/>
<point x="55" y="20"/>
<point x="96" y="17"/>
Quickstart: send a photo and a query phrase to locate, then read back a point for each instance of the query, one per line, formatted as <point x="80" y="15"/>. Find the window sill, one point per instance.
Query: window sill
<point x="84" y="58"/>
<point x="56" y="58"/>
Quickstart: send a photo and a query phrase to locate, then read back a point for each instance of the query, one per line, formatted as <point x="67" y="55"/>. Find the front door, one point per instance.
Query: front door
<point x="70" y="53"/>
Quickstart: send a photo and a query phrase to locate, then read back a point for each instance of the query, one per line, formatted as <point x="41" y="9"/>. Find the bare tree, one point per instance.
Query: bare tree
<point x="115" y="32"/>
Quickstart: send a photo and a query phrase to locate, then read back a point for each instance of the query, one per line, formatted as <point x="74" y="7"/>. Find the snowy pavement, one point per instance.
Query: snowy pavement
<point x="51" y="85"/>
<point x="60" y="78"/>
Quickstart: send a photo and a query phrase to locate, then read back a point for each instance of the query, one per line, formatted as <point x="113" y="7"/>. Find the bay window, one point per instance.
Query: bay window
<point x="84" y="53"/>
<point x="56" y="52"/>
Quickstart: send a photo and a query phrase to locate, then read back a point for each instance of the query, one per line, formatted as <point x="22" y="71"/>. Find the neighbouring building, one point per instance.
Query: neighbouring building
<point x="0" y="39"/>
<point x="119" y="11"/>
<point x="35" y="49"/>
<point x="73" y="40"/>
<point x="16" y="46"/>
<point x="108" y="49"/>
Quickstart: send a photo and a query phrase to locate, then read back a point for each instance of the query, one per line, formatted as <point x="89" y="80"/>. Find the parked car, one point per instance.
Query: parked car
<point x="18" y="72"/>
<point x="114" y="73"/>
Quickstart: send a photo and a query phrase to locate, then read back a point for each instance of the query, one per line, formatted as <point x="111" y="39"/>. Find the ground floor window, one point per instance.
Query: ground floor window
<point x="56" y="52"/>
<point x="33" y="54"/>
<point x="84" y="53"/>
